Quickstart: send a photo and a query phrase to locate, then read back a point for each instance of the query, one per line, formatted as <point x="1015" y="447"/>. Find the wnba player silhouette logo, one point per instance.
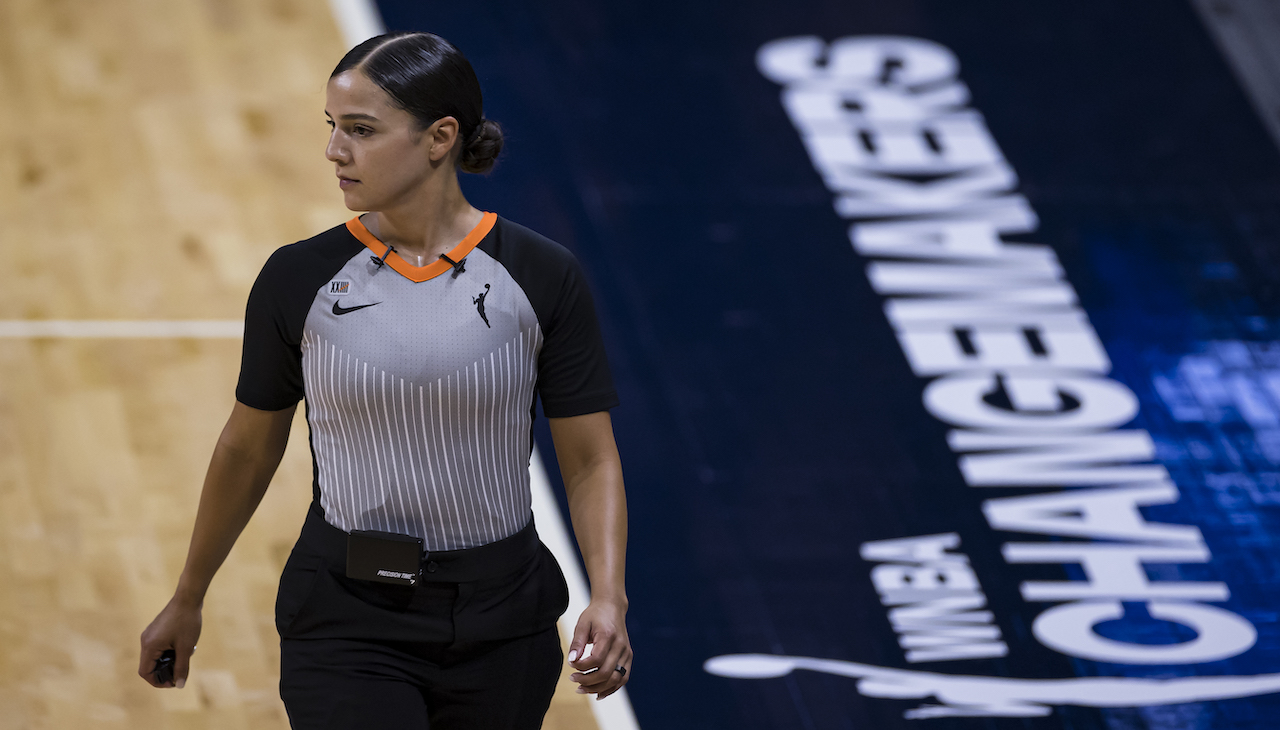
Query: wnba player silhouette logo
<point x="479" y="302"/>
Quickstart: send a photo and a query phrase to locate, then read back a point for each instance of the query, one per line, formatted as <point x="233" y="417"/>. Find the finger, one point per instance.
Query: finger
<point x="608" y="679"/>
<point x="581" y="637"/>
<point x="611" y="690"/>
<point x="181" y="665"/>
<point x="147" y="657"/>
<point x="146" y="661"/>
<point x="608" y="682"/>
<point x="601" y="640"/>
<point x="149" y="676"/>
<point x="605" y="673"/>
<point x="595" y="679"/>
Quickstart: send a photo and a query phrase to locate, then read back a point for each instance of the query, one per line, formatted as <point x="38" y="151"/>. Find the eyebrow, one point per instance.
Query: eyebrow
<point x="369" y="117"/>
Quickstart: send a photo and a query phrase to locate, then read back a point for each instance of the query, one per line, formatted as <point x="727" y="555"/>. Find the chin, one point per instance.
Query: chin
<point x="354" y="202"/>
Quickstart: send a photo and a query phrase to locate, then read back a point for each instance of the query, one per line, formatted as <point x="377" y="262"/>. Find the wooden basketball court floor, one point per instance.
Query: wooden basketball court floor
<point x="152" y="154"/>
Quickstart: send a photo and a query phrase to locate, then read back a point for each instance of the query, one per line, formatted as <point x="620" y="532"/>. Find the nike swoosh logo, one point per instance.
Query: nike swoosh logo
<point x="338" y="309"/>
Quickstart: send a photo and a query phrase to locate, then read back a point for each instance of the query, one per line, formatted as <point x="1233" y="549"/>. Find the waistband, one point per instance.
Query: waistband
<point x="442" y="566"/>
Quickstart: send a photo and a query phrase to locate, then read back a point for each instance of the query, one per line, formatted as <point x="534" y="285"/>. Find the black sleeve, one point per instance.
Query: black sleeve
<point x="573" y="370"/>
<point x="271" y="359"/>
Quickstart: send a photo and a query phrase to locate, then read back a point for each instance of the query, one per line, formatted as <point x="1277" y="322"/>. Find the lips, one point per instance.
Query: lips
<point x="346" y="182"/>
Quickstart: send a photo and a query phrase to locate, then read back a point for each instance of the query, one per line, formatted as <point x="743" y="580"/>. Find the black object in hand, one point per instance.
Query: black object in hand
<point x="164" y="667"/>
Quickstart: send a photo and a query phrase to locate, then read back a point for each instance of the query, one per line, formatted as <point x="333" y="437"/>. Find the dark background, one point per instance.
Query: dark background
<point x="770" y="423"/>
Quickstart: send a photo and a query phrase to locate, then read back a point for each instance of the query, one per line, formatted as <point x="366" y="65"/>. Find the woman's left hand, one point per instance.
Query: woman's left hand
<point x="592" y="475"/>
<point x="608" y="667"/>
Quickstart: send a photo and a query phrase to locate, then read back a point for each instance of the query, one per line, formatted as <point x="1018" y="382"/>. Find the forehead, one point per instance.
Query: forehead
<point x="351" y="92"/>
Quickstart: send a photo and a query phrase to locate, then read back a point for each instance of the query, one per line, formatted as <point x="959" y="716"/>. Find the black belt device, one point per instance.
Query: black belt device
<point x="385" y="557"/>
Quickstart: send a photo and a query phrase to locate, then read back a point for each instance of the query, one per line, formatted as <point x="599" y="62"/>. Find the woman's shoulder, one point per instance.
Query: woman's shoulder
<point x="524" y="247"/>
<point x="337" y="241"/>
<point x="307" y="263"/>
<point x="322" y="251"/>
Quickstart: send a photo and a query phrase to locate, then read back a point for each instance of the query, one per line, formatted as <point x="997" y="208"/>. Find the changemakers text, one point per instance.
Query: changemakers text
<point x="1014" y="364"/>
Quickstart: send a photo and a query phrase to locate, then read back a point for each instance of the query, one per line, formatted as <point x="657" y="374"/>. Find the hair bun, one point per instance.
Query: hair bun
<point x="482" y="148"/>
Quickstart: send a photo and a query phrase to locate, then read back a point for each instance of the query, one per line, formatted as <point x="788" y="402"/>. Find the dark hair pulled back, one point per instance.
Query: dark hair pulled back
<point x="428" y="77"/>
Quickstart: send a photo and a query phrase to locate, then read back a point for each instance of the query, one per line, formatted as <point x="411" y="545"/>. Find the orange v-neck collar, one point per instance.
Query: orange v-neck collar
<point x="433" y="269"/>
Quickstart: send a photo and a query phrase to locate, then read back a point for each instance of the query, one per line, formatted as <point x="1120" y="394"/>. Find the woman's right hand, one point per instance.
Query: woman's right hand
<point x="177" y="627"/>
<point x="243" y="462"/>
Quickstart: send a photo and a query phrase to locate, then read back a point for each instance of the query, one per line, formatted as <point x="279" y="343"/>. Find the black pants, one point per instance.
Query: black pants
<point x="473" y="645"/>
<point x="347" y="684"/>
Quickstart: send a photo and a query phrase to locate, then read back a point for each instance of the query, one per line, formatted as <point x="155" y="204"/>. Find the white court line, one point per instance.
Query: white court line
<point x="359" y="20"/>
<point x="203" y="329"/>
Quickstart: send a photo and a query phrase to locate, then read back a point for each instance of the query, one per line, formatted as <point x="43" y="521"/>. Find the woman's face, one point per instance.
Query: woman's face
<point x="382" y="156"/>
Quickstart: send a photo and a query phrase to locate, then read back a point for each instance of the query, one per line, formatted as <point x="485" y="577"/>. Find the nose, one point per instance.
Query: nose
<point x="335" y="151"/>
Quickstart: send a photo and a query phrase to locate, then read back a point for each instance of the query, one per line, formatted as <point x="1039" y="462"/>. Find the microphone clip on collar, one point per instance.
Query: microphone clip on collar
<point x="382" y="261"/>
<point x="459" y="266"/>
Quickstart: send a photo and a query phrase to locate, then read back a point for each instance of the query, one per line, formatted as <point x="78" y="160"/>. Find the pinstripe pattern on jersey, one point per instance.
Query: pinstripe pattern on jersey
<point x="445" y="460"/>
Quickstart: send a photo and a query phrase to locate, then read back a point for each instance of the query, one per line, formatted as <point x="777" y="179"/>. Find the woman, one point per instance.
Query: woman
<point x="420" y="334"/>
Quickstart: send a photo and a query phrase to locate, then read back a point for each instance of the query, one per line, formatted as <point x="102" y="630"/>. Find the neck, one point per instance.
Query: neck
<point x="426" y="225"/>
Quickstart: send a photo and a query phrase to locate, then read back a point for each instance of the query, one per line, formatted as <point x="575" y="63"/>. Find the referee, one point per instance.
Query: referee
<point x="419" y="334"/>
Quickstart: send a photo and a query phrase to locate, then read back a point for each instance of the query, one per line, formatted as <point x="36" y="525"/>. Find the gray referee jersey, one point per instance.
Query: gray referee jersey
<point x="420" y="381"/>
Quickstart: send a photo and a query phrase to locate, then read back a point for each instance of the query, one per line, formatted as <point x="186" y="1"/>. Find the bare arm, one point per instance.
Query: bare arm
<point x="592" y="475"/>
<point x="244" y="460"/>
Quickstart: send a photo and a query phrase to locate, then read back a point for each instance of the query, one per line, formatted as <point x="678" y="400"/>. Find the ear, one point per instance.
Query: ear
<point x="443" y="134"/>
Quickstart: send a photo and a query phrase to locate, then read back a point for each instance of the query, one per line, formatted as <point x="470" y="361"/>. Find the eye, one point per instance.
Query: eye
<point x="361" y="131"/>
<point x="329" y="122"/>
